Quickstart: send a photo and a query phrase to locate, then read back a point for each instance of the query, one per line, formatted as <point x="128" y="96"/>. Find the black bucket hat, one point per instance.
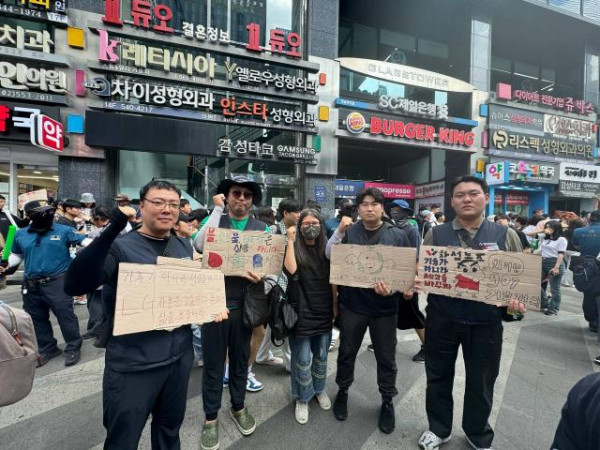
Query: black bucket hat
<point x="225" y="186"/>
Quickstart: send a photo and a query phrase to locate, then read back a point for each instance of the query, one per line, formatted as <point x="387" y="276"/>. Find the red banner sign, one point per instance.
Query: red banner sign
<point x="517" y="199"/>
<point x="394" y="190"/>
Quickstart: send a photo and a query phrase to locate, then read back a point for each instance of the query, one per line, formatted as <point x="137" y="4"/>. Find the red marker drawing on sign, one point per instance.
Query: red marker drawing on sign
<point x="214" y="260"/>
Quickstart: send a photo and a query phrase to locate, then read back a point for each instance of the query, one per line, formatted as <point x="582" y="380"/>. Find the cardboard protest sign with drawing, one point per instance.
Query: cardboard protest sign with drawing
<point x="490" y="277"/>
<point x="237" y="252"/>
<point x="363" y="265"/>
<point x="167" y="295"/>
<point x="23" y="199"/>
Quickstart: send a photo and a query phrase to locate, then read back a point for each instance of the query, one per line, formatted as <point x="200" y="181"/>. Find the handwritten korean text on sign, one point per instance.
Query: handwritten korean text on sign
<point x="364" y="265"/>
<point x="488" y="277"/>
<point x="167" y="295"/>
<point x="237" y="252"/>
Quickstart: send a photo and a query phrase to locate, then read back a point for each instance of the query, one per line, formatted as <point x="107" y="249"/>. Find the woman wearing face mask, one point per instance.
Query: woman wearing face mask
<point x="311" y="294"/>
<point x="553" y="247"/>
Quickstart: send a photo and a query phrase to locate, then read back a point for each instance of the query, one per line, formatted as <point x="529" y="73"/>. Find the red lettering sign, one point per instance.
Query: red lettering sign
<point x="49" y="133"/>
<point x="517" y="199"/>
<point x="4" y="118"/>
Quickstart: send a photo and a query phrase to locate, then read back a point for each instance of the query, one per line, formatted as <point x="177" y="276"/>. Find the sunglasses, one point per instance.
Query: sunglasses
<point x="239" y="194"/>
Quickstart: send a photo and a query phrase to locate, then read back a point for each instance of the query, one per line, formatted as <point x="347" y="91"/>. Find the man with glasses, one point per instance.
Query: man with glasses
<point x="145" y="373"/>
<point x="453" y="322"/>
<point x="230" y="337"/>
<point x="361" y="308"/>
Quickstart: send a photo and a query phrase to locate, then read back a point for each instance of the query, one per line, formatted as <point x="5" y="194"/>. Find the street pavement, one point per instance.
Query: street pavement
<point x="543" y="357"/>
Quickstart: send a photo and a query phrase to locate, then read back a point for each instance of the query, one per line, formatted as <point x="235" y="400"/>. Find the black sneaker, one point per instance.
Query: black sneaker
<point x="87" y="336"/>
<point x="340" y="405"/>
<point x="420" y="357"/>
<point x="597" y="360"/>
<point x="387" y="418"/>
<point x="43" y="359"/>
<point x="72" y="357"/>
<point x="371" y="347"/>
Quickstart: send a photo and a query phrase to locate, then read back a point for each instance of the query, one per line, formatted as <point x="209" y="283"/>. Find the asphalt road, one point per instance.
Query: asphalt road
<point x="543" y="357"/>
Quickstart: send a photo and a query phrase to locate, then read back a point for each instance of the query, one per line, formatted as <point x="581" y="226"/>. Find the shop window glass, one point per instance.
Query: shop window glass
<point x="573" y="6"/>
<point x="244" y="13"/>
<point x="397" y="40"/>
<point x="193" y="11"/>
<point x="32" y="178"/>
<point x="366" y="45"/>
<point x="5" y="183"/>
<point x="591" y="9"/>
<point x="431" y="48"/>
<point x="345" y="39"/>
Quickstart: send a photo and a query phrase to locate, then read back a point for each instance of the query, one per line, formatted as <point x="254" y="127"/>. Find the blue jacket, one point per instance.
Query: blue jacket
<point x="587" y="239"/>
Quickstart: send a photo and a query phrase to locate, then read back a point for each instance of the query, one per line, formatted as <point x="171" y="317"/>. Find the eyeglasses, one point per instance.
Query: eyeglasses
<point x="160" y="204"/>
<point x="239" y="194"/>
<point x="308" y="224"/>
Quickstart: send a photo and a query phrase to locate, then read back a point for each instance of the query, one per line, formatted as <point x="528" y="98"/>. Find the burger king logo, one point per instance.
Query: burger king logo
<point x="355" y="123"/>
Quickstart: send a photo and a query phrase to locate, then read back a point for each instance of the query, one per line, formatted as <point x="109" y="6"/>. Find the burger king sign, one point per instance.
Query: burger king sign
<point x="355" y="122"/>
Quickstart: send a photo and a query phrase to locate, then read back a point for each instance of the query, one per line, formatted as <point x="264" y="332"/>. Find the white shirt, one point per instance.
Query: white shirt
<point x="551" y="249"/>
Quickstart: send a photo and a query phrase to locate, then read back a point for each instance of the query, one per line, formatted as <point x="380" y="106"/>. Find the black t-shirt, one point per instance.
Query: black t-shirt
<point x="62" y="220"/>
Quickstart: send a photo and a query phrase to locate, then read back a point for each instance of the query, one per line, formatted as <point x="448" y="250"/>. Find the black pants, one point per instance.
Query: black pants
<point x="591" y="309"/>
<point x="38" y="301"/>
<point x="95" y="310"/>
<point x="481" y="346"/>
<point x="130" y="397"/>
<point x="383" y="335"/>
<point x="223" y="338"/>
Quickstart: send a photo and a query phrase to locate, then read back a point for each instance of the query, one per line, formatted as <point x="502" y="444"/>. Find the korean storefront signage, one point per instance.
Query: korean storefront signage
<point x="32" y="45"/>
<point x="514" y="199"/>
<point x="405" y="75"/>
<point x="579" y="180"/>
<point x="574" y="130"/>
<point x="406" y="191"/>
<point x="36" y="83"/>
<point x="529" y="171"/>
<point x="497" y="173"/>
<point x="348" y="188"/>
<point x="536" y="145"/>
<point x="17" y="120"/>
<point x="413" y="107"/>
<point x="265" y="151"/>
<point x="568" y="104"/>
<point x="430" y="190"/>
<point x="51" y="10"/>
<point x="156" y="17"/>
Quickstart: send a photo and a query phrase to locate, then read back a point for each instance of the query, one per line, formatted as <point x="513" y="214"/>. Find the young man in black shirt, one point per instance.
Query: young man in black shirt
<point x="72" y="209"/>
<point x="144" y="372"/>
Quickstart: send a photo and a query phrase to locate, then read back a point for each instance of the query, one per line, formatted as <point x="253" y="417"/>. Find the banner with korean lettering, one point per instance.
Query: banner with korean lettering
<point x="348" y="188"/>
<point x="492" y="277"/>
<point x="238" y="252"/>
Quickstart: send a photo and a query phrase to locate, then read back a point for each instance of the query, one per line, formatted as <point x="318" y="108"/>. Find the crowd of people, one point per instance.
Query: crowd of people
<point x="73" y="248"/>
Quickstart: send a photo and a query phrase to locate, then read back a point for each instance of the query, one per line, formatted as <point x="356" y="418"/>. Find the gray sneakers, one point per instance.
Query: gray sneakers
<point x="429" y="441"/>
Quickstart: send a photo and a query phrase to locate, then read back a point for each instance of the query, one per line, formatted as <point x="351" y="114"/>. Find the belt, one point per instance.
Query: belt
<point x="42" y="280"/>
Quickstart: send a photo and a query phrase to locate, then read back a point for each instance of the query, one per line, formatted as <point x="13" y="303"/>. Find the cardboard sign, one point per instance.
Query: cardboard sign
<point x="237" y="252"/>
<point x="166" y="295"/>
<point x="363" y="265"/>
<point x="493" y="277"/>
<point x="27" y="197"/>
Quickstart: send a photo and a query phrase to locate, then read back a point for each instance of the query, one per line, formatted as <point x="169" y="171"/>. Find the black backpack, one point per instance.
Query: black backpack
<point x="586" y="274"/>
<point x="256" y="306"/>
<point x="282" y="316"/>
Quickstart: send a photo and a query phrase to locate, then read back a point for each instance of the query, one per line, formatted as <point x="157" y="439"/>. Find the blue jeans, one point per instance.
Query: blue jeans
<point x="308" y="378"/>
<point x="547" y="265"/>
<point x="197" y="341"/>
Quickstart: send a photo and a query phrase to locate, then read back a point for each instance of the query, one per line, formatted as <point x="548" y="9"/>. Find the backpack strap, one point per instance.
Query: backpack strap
<point x="467" y="239"/>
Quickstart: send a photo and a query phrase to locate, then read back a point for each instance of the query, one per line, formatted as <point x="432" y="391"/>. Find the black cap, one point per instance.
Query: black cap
<point x="595" y="216"/>
<point x="31" y="205"/>
<point x="183" y="217"/>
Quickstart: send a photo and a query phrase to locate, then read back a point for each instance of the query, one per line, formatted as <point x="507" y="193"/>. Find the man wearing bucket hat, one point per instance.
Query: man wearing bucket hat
<point x="229" y="337"/>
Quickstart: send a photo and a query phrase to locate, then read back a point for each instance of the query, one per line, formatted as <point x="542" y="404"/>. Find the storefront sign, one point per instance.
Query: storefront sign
<point x="430" y="190"/>
<point x="21" y="77"/>
<point x="516" y="120"/>
<point x="258" y="150"/>
<point x="320" y="194"/>
<point x="347" y="188"/>
<point x="574" y="130"/>
<point x="503" y="140"/>
<point x="406" y="191"/>
<point x="413" y="107"/>
<point x="579" y="189"/>
<point x="405" y="75"/>
<point x="47" y="133"/>
<point x="157" y="17"/>
<point x="498" y="200"/>
<point x="51" y="10"/>
<point x="421" y="132"/>
<point x="579" y="172"/>
<point x="505" y="92"/>
<point x="17" y="120"/>
<point x="25" y="39"/>
<point x="539" y="173"/>
<point x="497" y="173"/>
<point x="513" y="199"/>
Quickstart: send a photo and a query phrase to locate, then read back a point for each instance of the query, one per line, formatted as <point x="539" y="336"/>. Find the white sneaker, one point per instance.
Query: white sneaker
<point x="429" y="441"/>
<point x="272" y="361"/>
<point x="80" y="300"/>
<point x="323" y="400"/>
<point x="475" y="447"/>
<point x="301" y="412"/>
<point x="252" y="384"/>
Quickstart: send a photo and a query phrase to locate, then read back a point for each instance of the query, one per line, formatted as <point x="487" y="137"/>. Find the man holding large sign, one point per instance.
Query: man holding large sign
<point x="453" y="322"/>
<point x="374" y="308"/>
<point x="145" y="372"/>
